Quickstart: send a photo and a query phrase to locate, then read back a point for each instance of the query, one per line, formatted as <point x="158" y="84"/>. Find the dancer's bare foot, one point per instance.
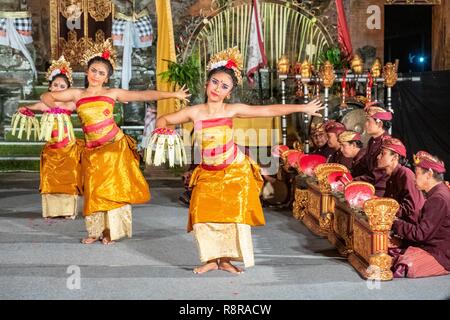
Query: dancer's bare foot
<point x="210" y="265"/>
<point x="89" y="240"/>
<point x="107" y="241"/>
<point x="226" y="265"/>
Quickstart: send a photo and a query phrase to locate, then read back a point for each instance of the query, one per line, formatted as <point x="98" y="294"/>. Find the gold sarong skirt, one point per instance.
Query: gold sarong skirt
<point x="112" y="177"/>
<point x="60" y="169"/>
<point x="230" y="195"/>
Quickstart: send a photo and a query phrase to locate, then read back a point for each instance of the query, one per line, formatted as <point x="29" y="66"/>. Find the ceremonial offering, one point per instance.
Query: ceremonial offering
<point x="165" y="144"/>
<point x="61" y="119"/>
<point x="26" y="121"/>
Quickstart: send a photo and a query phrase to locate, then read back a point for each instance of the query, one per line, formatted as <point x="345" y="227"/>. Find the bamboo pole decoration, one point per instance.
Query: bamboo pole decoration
<point x="222" y="33"/>
<point x="316" y="56"/>
<point x="233" y="10"/>
<point x="227" y="26"/>
<point x="283" y="118"/>
<point x="246" y="28"/>
<point x="305" y="29"/>
<point x="279" y="34"/>
<point x="271" y="29"/>
<point x="294" y="42"/>
<point x="305" y="116"/>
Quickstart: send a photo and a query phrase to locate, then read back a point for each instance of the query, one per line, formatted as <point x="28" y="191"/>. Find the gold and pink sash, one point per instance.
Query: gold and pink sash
<point x="215" y="136"/>
<point x="96" y="114"/>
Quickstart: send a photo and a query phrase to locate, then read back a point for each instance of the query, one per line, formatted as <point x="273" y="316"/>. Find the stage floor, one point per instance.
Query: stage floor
<point x="39" y="257"/>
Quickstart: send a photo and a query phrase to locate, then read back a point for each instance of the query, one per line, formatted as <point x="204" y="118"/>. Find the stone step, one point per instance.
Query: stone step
<point x="20" y="150"/>
<point x="28" y="164"/>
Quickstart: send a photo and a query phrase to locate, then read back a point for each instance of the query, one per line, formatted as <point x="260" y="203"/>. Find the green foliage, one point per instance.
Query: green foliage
<point x="333" y="55"/>
<point x="186" y="73"/>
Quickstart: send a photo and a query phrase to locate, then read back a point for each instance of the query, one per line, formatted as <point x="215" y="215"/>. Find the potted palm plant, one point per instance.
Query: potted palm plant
<point x="185" y="73"/>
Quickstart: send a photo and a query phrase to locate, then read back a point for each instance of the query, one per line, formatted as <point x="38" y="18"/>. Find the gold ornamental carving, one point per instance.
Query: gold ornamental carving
<point x="306" y="69"/>
<point x="390" y="74"/>
<point x="283" y="65"/>
<point x="300" y="204"/>
<point x="314" y="204"/>
<point x="381" y="213"/>
<point x="323" y="170"/>
<point x="99" y="10"/>
<point x="73" y="48"/>
<point x="362" y="242"/>
<point x="54" y="29"/>
<point x="71" y="9"/>
<point x="380" y="267"/>
<point x="341" y="225"/>
<point x="357" y="64"/>
<point x="376" y="68"/>
<point x="298" y="145"/>
<point x="327" y="74"/>
<point x="325" y="222"/>
<point x="327" y="203"/>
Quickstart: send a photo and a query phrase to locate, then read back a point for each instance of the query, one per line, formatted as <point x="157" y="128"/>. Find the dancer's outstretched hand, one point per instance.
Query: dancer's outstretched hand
<point x="183" y="94"/>
<point x="312" y="108"/>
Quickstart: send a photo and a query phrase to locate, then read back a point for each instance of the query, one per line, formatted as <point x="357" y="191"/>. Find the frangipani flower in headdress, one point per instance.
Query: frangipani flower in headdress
<point x="60" y="66"/>
<point x="230" y="58"/>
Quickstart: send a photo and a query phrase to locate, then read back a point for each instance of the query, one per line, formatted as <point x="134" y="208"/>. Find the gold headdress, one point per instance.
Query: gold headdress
<point x="60" y="66"/>
<point x="317" y="127"/>
<point x="230" y="58"/>
<point x="103" y="49"/>
<point x="348" y="136"/>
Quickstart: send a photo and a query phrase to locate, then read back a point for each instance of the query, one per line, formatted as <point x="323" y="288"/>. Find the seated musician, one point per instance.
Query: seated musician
<point x="401" y="184"/>
<point x="352" y="147"/>
<point x="320" y="139"/>
<point x="377" y="125"/>
<point x="430" y="253"/>
<point x="333" y="129"/>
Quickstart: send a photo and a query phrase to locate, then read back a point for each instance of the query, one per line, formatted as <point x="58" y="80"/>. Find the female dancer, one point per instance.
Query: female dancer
<point x="112" y="179"/>
<point x="226" y="185"/>
<point x="60" y="165"/>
